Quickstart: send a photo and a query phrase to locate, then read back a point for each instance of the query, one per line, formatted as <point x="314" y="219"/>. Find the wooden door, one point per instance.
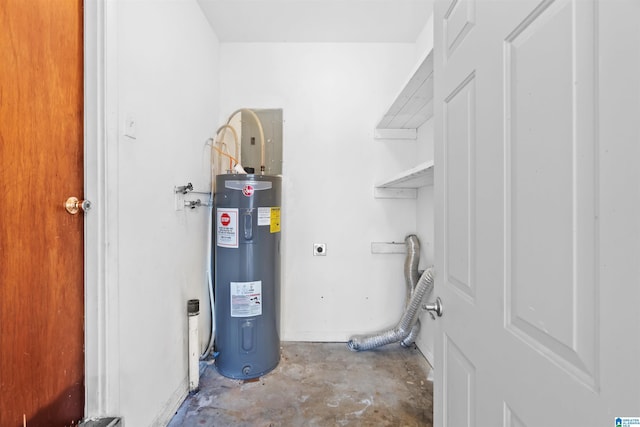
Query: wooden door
<point x="537" y="194"/>
<point x="41" y="245"/>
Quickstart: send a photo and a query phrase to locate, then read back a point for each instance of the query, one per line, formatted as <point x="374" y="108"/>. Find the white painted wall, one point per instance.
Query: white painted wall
<point x="425" y="232"/>
<point x="424" y="203"/>
<point x="424" y="42"/>
<point x="167" y="67"/>
<point x="332" y="96"/>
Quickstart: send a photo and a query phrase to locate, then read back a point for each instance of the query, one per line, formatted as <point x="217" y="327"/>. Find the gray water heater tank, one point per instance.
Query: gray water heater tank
<point x="247" y="274"/>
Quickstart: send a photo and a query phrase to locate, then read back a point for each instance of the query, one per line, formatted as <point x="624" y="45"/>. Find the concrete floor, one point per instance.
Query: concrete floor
<point x="319" y="384"/>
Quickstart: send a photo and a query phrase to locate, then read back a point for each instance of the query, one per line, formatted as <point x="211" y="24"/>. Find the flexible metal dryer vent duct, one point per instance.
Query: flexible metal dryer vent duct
<point x="409" y="325"/>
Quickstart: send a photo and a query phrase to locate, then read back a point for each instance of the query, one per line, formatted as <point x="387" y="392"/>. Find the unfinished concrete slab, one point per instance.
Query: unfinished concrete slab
<point x="319" y="384"/>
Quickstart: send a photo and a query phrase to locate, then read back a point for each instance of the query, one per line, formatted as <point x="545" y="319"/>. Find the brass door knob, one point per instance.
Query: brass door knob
<point x="73" y="205"/>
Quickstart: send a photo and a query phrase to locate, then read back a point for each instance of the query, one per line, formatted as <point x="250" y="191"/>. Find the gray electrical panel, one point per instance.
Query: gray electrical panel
<point x="247" y="274"/>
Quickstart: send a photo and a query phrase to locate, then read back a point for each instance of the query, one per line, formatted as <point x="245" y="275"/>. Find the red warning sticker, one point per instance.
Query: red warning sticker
<point x="227" y="228"/>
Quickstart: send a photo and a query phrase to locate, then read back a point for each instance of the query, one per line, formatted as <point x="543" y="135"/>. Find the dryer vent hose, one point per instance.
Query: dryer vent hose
<point x="409" y="325"/>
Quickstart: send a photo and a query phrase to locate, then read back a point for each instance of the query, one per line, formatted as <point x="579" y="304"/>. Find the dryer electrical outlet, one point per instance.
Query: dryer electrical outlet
<point x="319" y="249"/>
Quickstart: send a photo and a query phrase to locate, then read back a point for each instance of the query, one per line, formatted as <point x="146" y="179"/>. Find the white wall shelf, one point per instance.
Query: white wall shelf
<point x="388" y="247"/>
<point x="405" y="184"/>
<point x="414" y="104"/>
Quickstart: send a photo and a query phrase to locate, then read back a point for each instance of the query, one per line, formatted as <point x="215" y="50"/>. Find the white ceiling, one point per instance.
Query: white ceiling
<point x="317" y="20"/>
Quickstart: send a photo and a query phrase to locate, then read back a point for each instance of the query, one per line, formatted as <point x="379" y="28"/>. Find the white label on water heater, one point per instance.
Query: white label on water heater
<point x="264" y="216"/>
<point x="227" y="228"/>
<point x="246" y="299"/>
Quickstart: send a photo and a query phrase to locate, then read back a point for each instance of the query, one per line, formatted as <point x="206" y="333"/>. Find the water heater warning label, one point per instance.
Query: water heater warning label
<point x="275" y="220"/>
<point x="227" y="228"/>
<point x="264" y="216"/>
<point x="246" y="299"/>
<point x="270" y="217"/>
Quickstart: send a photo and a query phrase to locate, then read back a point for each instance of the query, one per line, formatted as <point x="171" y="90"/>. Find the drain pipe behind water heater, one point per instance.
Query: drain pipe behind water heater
<point x="209" y="262"/>
<point x="193" y="311"/>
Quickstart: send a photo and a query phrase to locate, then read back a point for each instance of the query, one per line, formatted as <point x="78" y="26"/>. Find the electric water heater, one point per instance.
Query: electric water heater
<point x="247" y="274"/>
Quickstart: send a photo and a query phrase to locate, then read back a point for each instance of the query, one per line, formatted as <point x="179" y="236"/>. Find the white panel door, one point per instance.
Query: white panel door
<point x="537" y="190"/>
